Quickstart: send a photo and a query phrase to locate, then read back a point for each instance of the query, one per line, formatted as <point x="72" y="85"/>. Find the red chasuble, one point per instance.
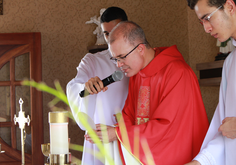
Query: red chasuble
<point x="165" y="104"/>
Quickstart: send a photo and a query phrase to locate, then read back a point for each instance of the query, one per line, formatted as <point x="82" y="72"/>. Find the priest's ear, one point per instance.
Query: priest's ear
<point x="141" y="48"/>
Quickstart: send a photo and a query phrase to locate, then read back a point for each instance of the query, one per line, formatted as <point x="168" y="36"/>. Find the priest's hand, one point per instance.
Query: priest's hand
<point x="105" y="133"/>
<point x="95" y="85"/>
<point x="194" y="162"/>
<point x="228" y="127"/>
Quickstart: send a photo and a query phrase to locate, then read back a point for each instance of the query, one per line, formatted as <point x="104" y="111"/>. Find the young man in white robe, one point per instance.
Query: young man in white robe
<point x="99" y="106"/>
<point x="218" y="18"/>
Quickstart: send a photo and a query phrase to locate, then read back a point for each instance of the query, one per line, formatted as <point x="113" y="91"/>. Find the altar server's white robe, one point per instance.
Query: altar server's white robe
<point x="217" y="149"/>
<point x="102" y="106"/>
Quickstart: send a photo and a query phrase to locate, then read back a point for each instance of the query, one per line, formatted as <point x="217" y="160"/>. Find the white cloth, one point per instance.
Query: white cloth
<point x="128" y="158"/>
<point x="217" y="149"/>
<point x="99" y="107"/>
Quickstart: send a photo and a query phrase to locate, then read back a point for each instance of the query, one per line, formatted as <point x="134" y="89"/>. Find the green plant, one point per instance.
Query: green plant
<point x="103" y="152"/>
<point x="60" y="96"/>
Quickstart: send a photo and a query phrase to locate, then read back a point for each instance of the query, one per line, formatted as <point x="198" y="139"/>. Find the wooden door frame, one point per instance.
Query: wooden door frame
<point x="32" y="42"/>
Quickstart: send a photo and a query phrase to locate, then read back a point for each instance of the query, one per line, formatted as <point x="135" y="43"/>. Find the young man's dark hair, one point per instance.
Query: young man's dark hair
<point x="113" y="13"/>
<point x="211" y="3"/>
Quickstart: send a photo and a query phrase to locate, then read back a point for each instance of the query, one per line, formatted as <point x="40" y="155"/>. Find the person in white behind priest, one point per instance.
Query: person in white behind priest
<point x="90" y="72"/>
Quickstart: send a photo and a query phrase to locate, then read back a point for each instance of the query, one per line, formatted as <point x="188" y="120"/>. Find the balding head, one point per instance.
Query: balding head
<point x="129" y="48"/>
<point x="131" y="33"/>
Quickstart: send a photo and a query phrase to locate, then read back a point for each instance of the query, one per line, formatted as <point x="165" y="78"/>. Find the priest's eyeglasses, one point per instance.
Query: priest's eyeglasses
<point x="122" y="58"/>
<point x="207" y="18"/>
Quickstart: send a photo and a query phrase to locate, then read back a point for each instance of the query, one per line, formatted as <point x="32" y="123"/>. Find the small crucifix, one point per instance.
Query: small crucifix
<point x="21" y="121"/>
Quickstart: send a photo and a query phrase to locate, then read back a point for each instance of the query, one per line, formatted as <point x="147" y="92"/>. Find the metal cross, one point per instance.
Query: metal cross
<point x="21" y="121"/>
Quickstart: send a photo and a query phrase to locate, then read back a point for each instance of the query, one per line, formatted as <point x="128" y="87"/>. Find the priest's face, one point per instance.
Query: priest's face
<point x="127" y="56"/>
<point x="107" y="27"/>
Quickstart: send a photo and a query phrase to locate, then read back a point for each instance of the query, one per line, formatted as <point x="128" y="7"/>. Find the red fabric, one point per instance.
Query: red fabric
<point x="165" y="100"/>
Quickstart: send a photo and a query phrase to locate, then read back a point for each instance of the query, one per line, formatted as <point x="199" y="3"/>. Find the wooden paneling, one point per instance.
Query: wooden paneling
<point x="210" y="73"/>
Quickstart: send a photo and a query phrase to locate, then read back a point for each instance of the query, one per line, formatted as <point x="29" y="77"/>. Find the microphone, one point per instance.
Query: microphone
<point x="116" y="76"/>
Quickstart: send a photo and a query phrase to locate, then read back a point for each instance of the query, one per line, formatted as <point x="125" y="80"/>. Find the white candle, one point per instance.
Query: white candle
<point x="58" y="133"/>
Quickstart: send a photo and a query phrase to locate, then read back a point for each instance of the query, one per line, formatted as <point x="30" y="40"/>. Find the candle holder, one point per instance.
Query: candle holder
<point x="57" y="150"/>
<point x="55" y="159"/>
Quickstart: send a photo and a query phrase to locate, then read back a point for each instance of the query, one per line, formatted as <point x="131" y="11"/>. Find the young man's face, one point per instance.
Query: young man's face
<point x="107" y="27"/>
<point x="219" y="25"/>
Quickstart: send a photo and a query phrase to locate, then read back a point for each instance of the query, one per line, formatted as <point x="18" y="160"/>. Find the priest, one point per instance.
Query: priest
<point x="164" y="119"/>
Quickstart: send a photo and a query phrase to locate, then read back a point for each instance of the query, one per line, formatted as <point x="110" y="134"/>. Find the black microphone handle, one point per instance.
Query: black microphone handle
<point x="105" y="82"/>
<point x="84" y="93"/>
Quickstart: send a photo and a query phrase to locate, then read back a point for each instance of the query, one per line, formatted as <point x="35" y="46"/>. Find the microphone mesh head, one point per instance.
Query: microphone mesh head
<point x="117" y="75"/>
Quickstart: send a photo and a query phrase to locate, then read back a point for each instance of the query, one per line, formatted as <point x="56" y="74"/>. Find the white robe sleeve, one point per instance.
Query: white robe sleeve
<point x="85" y="71"/>
<point x="213" y="147"/>
<point x="212" y="150"/>
<point x="217" y="149"/>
